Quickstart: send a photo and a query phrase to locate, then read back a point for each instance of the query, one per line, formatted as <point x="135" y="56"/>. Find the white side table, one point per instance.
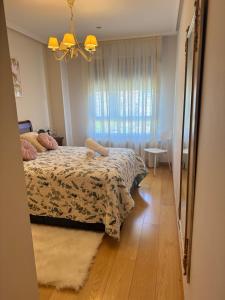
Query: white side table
<point x="155" y="152"/>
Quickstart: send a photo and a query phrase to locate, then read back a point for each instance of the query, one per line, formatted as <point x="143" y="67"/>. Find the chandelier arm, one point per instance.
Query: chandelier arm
<point x="85" y="56"/>
<point x="79" y="46"/>
<point x="77" y="43"/>
<point x="59" y="58"/>
<point x="75" y="52"/>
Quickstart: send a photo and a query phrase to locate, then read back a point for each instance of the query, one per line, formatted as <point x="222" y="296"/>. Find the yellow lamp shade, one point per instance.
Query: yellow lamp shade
<point x="69" y="40"/>
<point x="53" y="43"/>
<point x="62" y="47"/>
<point x="90" y="48"/>
<point x="90" y="43"/>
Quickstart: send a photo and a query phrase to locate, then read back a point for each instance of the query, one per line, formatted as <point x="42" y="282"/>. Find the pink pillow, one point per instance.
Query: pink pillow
<point x="47" y="141"/>
<point x="28" y="150"/>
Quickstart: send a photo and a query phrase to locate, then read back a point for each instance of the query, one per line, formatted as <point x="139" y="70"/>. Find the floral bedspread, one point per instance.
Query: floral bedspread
<point x="64" y="183"/>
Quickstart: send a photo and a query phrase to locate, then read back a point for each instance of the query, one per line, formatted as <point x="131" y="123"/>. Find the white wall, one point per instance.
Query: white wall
<point x="17" y="268"/>
<point x="208" y="249"/>
<point x="31" y="56"/>
<point x="167" y="84"/>
<point x="56" y="104"/>
<point x="59" y="99"/>
<point x="66" y="103"/>
<point x="77" y="74"/>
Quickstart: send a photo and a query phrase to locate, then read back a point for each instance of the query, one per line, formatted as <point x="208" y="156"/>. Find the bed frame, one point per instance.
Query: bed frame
<point x="24" y="127"/>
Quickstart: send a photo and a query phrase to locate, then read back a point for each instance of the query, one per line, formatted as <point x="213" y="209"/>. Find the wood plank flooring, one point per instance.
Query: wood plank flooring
<point x="145" y="264"/>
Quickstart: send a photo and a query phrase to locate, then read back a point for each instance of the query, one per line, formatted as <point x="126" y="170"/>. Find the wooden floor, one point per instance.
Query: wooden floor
<point x="145" y="263"/>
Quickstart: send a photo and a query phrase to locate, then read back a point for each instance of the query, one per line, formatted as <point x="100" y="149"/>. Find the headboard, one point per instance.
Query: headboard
<point x="25" y="126"/>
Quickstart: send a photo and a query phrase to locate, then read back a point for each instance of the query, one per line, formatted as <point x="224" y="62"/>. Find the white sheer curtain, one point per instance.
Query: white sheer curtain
<point x="123" y="93"/>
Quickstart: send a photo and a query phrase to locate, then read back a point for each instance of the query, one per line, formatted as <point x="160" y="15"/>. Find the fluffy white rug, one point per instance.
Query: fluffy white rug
<point x="63" y="256"/>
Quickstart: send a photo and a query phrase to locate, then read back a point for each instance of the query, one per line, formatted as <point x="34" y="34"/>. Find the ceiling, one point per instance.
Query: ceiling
<point x="118" y="18"/>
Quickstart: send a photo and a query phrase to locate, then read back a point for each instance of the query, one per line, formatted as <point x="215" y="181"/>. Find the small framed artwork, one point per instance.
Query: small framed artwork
<point x="16" y="77"/>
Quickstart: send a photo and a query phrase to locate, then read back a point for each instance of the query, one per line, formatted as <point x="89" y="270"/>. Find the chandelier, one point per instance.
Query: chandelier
<point x="69" y="47"/>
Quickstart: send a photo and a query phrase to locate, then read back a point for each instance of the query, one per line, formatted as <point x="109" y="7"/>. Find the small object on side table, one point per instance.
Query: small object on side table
<point x="59" y="140"/>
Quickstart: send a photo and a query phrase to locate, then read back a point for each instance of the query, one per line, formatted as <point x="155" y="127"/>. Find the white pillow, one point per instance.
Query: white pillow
<point x="96" y="147"/>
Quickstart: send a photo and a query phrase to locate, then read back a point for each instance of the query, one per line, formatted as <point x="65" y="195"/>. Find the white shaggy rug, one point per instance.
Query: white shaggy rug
<point x="63" y="256"/>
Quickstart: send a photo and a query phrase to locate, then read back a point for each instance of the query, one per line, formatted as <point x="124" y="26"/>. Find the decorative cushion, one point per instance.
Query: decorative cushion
<point x="91" y="144"/>
<point x="47" y="141"/>
<point x="32" y="138"/>
<point x="28" y="151"/>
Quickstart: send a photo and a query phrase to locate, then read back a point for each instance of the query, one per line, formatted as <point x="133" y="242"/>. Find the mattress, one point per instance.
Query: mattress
<point x="64" y="183"/>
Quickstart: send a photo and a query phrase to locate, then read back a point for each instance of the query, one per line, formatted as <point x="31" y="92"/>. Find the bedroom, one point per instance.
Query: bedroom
<point x="132" y="97"/>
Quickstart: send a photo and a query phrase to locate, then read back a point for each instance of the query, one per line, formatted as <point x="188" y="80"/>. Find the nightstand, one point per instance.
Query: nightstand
<point x="59" y="140"/>
<point x="156" y="152"/>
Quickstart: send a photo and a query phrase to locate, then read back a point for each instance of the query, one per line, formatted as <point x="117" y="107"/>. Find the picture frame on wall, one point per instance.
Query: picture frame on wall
<point x="16" y="77"/>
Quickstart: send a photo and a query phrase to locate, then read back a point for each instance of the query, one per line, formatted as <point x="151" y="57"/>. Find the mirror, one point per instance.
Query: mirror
<point x="191" y="115"/>
<point x="186" y="127"/>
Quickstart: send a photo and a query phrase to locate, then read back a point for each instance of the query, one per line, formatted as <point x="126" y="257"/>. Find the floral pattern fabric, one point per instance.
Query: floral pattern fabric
<point x="64" y="183"/>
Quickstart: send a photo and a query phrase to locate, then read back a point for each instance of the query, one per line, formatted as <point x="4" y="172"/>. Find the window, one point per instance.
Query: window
<point x="123" y="114"/>
<point x="123" y="92"/>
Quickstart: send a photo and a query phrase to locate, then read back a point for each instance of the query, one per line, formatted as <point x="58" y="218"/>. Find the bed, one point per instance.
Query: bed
<point x="65" y="188"/>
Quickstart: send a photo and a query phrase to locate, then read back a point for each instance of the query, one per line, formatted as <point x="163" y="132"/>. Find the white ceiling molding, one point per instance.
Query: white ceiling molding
<point x="139" y="36"/>
<point x="25" y="32"/>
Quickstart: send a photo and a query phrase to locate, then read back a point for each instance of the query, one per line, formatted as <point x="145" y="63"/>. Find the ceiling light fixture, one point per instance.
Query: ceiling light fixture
<point x="69" y="47"/>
